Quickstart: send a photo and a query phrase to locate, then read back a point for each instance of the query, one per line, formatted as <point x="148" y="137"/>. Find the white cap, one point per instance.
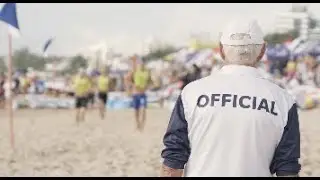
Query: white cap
<point x="242" y="32"/>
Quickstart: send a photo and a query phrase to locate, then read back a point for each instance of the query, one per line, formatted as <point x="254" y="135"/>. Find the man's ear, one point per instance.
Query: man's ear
<point x="221" y="51"/>
<point x="263" y="50"/>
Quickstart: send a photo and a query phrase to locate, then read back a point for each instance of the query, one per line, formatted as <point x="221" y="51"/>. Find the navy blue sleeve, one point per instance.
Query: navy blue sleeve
<point x="286" y="158"/>
<point x="177" y="150"/>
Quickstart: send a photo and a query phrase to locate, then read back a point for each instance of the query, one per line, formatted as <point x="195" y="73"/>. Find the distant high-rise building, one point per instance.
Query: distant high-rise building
<point x="314" y="34"/>
<point x="298" y="16"/>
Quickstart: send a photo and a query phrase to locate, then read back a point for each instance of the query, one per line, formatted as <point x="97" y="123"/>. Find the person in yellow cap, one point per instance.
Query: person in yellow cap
<point x="81" y="86"/>
<point x="103" y="82"/>
<point x="141" y="80"/>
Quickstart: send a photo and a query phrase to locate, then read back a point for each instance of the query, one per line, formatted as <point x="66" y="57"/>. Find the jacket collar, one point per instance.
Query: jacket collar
<point x="240" y="70"/>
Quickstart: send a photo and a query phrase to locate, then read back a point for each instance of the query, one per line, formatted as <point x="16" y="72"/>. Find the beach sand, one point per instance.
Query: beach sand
<point x="48" y="143"/>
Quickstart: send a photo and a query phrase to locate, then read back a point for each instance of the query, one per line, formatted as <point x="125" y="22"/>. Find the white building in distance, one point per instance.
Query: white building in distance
<point x="285" y="20"/>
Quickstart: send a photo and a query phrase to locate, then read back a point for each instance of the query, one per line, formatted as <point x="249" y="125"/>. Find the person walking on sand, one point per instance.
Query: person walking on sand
<point x="140" y="81"/>
<point x="245" y="127"/>
<point x="82" y="87"/>
<point x="103" y="83"/>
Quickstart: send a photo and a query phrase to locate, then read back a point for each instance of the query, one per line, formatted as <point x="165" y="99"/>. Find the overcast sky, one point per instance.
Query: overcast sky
<point x="125" y="26"/>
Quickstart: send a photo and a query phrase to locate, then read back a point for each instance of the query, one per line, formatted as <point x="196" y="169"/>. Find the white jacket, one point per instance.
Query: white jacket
<point x="233" y="123"/>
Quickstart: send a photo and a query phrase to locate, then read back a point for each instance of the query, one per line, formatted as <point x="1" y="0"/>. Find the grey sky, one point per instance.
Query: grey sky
<point x="125" y="26"/>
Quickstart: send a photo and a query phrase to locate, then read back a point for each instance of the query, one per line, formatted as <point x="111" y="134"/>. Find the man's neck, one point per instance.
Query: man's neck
<point x="225" y="63"/>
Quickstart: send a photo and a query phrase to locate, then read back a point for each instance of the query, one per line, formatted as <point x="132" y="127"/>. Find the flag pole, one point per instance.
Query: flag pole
<point x="10" y="110"/>
<point x="8" y="14"/>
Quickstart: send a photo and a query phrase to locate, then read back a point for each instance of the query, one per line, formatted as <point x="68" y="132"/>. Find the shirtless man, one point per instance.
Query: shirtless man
<point x="140" y="77"/>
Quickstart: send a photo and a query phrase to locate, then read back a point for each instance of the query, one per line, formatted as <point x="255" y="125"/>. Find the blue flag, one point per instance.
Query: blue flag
<point x="46" y="46"/>
<point x="8" y="15"/>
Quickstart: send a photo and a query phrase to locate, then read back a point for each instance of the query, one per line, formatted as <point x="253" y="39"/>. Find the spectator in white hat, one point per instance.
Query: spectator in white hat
<point x="234" y="122"/>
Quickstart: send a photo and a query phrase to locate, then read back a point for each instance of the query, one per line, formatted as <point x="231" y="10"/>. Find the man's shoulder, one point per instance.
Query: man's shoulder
<point x="282" y="91"/>
<point x="196" y="85"/>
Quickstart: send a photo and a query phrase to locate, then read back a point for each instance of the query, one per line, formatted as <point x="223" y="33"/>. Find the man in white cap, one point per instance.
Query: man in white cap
<point x="246" y="126"/>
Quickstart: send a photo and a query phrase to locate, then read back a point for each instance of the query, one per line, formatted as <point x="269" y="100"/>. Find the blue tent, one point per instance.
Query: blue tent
<point x="278" y="52"/>
<point x="278" y="56"/>
<point x="314" y="50"/>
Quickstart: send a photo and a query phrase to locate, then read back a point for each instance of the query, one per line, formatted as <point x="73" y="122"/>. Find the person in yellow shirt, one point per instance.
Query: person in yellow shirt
<point x="291" y="66"/>
<point x="141" y="81"/>
<point x="25" y="83"/>
<point x="81" y="87"/>
<point x="291" y="69"/>
<point x="103" y="82"/>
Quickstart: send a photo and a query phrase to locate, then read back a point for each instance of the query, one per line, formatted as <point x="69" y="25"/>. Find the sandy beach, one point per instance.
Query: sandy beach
<point x="48" y="143"/>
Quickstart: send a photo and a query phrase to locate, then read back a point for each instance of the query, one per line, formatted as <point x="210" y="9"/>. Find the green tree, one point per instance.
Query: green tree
<point x="274" y="38"/>
<point x="76" y="62"/>
<point x="159" y="53"/>
<point x="24" y="59"/>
